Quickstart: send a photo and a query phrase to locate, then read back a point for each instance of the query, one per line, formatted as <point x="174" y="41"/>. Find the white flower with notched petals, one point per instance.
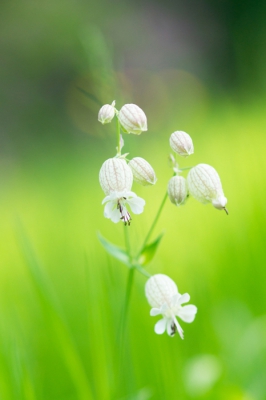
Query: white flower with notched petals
<point x="205" y="185"/>
<point x="133" y="119"/>
<point x="116" y="206"/>
<point x="162" y="294"/>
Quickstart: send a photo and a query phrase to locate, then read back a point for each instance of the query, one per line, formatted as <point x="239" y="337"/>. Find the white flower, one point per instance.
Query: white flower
<point x="143" y="172"/>
<point x="205" y="185"/>
<point x="162" y="294"/>
<point x="115" y="175"/>
<point x="106" y="113"/>
<point x="132" y="119"/>
<point x="181" y="143"/>
<point x="116" y="206"/>
<point x="177" y="190"/>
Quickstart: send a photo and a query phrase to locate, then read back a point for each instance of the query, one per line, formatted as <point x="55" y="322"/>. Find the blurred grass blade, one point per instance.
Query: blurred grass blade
<point x="149" y="251"/>
<point x="90" y="96"/>
<point x="61" y="334"/>
<point x="115" y="251"/>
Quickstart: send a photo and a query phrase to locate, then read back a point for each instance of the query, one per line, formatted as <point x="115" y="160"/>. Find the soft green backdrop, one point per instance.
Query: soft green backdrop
<point x="61" y="295"/>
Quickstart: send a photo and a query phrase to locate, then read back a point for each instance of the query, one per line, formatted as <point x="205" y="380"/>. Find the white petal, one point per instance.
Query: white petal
<point x="129" y="194"/>
<point x="184" y="298"/>
<point x="155" y="311"/>
<point x="107" y="198"/>
<point x="111" y="211"/>
<point x="108" y="208"/>
<point x="160" y="326"/>
<point x="187" y="313"/>
<point x="136" y="204"/>
<point x="115" y="216"/>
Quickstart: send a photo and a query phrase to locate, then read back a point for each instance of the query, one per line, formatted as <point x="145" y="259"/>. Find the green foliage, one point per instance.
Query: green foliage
<point x="149" y="251"/>
<point x="114" y="251"/>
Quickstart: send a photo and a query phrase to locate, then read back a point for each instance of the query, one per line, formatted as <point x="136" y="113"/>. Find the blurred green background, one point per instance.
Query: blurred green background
<point x="197" y="66"/>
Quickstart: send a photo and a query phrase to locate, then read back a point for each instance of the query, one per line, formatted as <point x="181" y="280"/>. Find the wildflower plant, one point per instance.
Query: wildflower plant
<point x="116" y="178"/>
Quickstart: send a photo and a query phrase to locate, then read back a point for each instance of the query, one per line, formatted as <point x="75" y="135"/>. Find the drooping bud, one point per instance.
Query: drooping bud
<point x="177" y="190"/>
<point x="132" y="119"/>
<point x="181" y="143"/>
<point x="106" y="113"/>
<point x="205" y="185"/>
<point x="143" y="172"/>
<point x="115" y="176"/>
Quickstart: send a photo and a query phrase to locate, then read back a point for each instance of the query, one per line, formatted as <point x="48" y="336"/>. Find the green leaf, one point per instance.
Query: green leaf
<point x="149" y="251"/>
<point x="115" y="251"/>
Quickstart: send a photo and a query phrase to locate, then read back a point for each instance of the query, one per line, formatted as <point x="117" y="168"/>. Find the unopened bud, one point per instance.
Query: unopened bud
<point x="181" y="143"/>
<point x="106" y="113"/>
<point x="205" y="185"/>
<point x="132" y="119"/>
<point x="177" y="190"/>
<point x="115" y="176"/>
<point x="143" y="172"/>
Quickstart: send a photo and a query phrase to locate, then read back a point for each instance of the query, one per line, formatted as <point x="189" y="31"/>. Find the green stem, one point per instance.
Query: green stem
<point x="127" y="298"/>
<point x="153" y="224"/>
<point x="121" y="334"/>
<point x="118" y="137"/>
<point x="129" y="283"/>
<point x="127" y="242"/>
<point x="184" y="169"/>
<point x="142" y="270"/>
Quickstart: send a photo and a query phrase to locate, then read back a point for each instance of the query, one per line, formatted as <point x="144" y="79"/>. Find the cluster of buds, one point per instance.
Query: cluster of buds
<point x="116" y="174"/>
<point x="131" y="117"/>
<point x="203" y="181"/>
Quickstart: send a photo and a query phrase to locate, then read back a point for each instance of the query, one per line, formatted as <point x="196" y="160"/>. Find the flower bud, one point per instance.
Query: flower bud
<point x="181" y="143"/>
<point x="177" y="190"/>
<point x="143" y="172"/>
<point x="106" y="113"/>
<point x="132" y="119"/>
<point x="115" y="176"/>
<point x="205" y="185"/>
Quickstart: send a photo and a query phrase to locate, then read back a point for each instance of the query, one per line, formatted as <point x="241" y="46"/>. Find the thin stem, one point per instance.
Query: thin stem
<point x="121" y="335"/>
<point x="129" y="285"/>
<point x="184" y="168"/>
<point x="118" y="136"/>
<point x="127" y="298"/>
<point x="142" y="270"/>
<point x="127" y="241"/>
<point x="153" y="224"/>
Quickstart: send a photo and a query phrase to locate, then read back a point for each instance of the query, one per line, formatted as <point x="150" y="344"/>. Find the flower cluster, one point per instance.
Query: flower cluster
<point x="203" y="181"/>
<point x="116" y="179"/>
<point x="116" y="175"/>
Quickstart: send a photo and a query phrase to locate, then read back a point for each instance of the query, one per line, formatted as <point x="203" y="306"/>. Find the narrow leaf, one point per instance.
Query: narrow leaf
<point x="113" y="250"/>
<point x="149" y="251"/>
